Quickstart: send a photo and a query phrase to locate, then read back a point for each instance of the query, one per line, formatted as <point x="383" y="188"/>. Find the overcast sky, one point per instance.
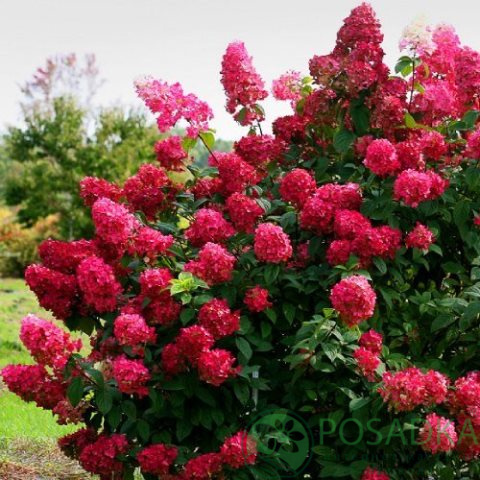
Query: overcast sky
<point x="183" y="40"/>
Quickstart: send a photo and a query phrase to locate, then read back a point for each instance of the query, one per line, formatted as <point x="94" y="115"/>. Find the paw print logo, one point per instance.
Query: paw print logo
<point x="284" y="443"/>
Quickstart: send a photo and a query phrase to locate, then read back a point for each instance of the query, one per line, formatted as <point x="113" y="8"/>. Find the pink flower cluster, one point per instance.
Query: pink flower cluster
<point x="171" y="154"/>
<point x="214" y="265"/>
<point x="157" y="459"/>
<point x="49" y="345"/>
<point x="100" y="457"/>
<point x="354" y="299"/>
<point x="194" y="345"/>
<point x="131" y="376"/>
<point x="171" y="105"/>
<point x="243" y="211"/>
<point x="288" y="87"/>
<point x="297" y="186"/>
<point x="414" y="187"/>
<point x="367" y="355"/>
<point x="437" y="434"/>
<point x="271" y="244"/>
<point x="208" y="226"/>
<point x="420" y="237"/>
<point x="372" y="474"/>
<point x="407" y="389"/>
<point x="218" y="319"/>
<point x="243" y="85"/>
<point x="256" y="299"/>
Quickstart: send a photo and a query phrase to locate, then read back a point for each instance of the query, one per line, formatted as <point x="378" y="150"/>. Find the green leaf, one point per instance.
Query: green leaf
<point x="208" y="138"/>
<point x="410" y="122"/>
<point x="143" y="429"/>
<point x="442" y="321"/>
<point x="130" y="409"/>
<point x="471" y="312"/>
<point x="470" y="118"/>
<point x="361" y="119"/>
<point x="114" y="417"/>
<point x="242" y="392"/>
<point x="244" y="348"/>
<point x="104" y="399"/>
<point x="271" y="273"/>
<point x="357" y="403"/>
<point x="343" y="140"/>
<point x="380" y="264"/>
<point x="75" y="391"/>
<point x="289" y="312"/>
<point x="184" y="428"/>
<point x="187" y="315"/>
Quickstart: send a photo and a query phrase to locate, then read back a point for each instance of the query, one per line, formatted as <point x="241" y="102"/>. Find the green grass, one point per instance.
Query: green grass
<point x="28" y="434"/>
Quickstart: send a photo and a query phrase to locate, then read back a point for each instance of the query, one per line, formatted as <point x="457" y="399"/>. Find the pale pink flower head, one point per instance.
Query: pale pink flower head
<point x="438" y="434"/>
<point x="417" y="37"/>
<point x="288" y="87"/>
<point x="171" y="104"/>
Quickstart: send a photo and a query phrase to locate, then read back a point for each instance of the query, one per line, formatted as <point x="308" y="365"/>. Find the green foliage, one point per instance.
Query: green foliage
<point x="48" y="157"/>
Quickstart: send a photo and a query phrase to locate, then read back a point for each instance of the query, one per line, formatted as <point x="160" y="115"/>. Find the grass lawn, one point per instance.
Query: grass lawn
<point x="27" y="434"/>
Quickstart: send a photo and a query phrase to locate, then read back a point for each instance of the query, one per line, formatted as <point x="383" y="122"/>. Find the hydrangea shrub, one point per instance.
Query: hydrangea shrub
<point x="331" y="268"/>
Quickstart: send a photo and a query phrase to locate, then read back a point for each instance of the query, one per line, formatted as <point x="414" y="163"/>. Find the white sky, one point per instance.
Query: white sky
<point x="183" y="40"/>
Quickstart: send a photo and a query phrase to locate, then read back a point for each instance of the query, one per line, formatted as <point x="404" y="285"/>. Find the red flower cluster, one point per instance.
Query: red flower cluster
<point x="65" y="256"/>
<point x="354" y="299"/>
<point x="98" y="284"/>
<point x="216" y="366"/>
<point x="437" y="434"/>
<point x="297" y="186"/>
<point x="157" y="459"/>
<point x="259" y="150"/>
<point x="272" y="244"/>
<point x="93" y="188"/>
<point x="55" y="291"/>
<point x="234" y="172"/>
<point x="413" y="187"/>
<point x="194" y="345"/>
<point x="132" y="330"/>
<point x="171" y="154"/>
<point x="172" y="104"/>
<point x="372" y="341"/>
<point x="100" y="457"/>
<point x="371" y="474"/>
<point x="256" y="299"/>
<point x="382" y="158"/>
<point x="131" y="376"/>
<point x="49" y="345"/>
<point x="243" y="85"/>
<point x="214" y="264"/>
<point x="236" y="452"/>
<point x="367" y="362"/>
<point x="218" y="319"/>
<point x="244" y="212"/>
<point x="149" y="191"/>
<point x="420" y="237"/>
<point x="150" y="243"/>
<point x="410" y="388"/>
<point x="208" y="226"/>
<point x="32" y="383"/>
